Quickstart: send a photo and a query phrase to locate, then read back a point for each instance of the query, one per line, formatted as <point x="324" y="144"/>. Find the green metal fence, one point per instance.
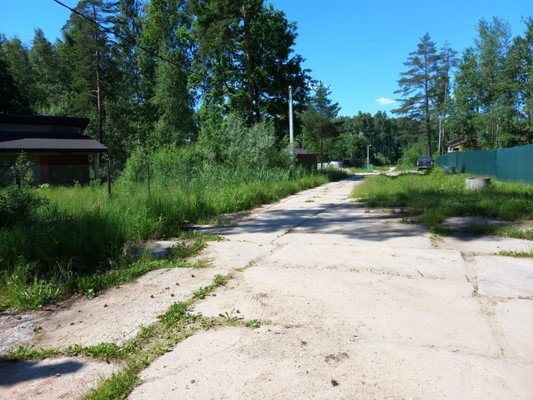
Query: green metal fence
<point x="514" y="164"/>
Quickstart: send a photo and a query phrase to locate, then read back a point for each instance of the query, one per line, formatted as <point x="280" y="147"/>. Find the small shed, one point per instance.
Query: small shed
<point x="460" y="143"/>
<point x="58" y="151"/>
<point x="307" y="160"/>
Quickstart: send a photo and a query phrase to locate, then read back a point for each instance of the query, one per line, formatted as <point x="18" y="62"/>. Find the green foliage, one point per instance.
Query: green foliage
<point x="102" y="350"/>
<point x="119" y="386"/>
<point x="203" y="291"/>
<point x="242" y="147"/>
<point x="58" y="254"/>
<point x="318" y="120"/>
<point x="18" y="206"/>
<point x="418" y="86"/>
<point x="253" y="323"/>
<point x="245" y="64"/>
<point x="410" y="155"/>
<point x="433" y="197"/>
<point x="19" y="203"/>
<point x="17" y="79"/>
<point x="174" y="315"/>
<point x="29" y="353"/>
<point x="32" y="286"/>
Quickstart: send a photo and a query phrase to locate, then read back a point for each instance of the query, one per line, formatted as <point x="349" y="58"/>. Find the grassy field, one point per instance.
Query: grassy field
<point x="431" y="198"/>
<point x="75" y="240"/>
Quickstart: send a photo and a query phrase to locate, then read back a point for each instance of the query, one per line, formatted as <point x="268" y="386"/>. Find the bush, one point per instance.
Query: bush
<point x="19" y="205"/>
<point x="243" y="147"/>
<point x="410" y="155"/>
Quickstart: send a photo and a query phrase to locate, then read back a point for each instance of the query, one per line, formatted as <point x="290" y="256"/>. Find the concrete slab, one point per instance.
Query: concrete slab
<point x="419" y="312"/>
<point x="507" y="277"/>
<point x="406" y="261"/>
<point x="296" y="362"/>
<point x="474" y="244"/>
<point x="515" y="319"/>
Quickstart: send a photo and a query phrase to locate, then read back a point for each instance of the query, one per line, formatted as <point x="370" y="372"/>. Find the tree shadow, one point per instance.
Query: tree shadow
<point x="13" y="372"/>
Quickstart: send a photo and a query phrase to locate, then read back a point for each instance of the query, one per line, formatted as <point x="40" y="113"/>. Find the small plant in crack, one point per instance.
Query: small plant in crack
<point x="229" y="317"/>
<point x="253" y="323"/>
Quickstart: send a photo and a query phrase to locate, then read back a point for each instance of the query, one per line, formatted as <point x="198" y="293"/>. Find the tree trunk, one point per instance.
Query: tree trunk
<point x="248" y="61"/>
<point x="98" y="90"/>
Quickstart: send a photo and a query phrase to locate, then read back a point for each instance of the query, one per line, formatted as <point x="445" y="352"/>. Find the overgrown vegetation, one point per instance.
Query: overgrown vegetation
<point x="433" y="197"/>
<point x="63" y="241"/>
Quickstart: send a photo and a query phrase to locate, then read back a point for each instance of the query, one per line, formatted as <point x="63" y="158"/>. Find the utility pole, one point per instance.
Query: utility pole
<point x="351" y="153"/>
<point x="291" y="128"/>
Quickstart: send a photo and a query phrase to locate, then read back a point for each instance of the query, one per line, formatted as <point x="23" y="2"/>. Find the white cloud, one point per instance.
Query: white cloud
<point x="383" y="101"/>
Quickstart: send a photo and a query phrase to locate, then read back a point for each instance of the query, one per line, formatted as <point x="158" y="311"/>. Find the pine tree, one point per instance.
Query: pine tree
<point x="418" y="86"/>
<point x="245" y="63"/>
<point x="483" y="94"/>
<point x="318" y="120"/>
<point x="165" y="67"/>
<point x="17" y="74"/>
<point x="50" y="76"/>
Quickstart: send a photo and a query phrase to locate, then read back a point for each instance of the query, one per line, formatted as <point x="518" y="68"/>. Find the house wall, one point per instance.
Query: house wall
<point x="54" y="169"/>
<point x="64" y="169"/>
<point x="308" y="161"/>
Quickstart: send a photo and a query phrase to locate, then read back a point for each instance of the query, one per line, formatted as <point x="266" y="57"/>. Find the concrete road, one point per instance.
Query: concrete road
<point x="353" y="303"/>
<point x="358" y="304"/>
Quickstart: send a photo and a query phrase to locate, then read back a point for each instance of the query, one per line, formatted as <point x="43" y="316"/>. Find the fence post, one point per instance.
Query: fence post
<point x="108" y="179"/>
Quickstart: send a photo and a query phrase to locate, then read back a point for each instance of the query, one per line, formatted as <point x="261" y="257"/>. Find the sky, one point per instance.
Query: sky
<point x="357" y="48"/>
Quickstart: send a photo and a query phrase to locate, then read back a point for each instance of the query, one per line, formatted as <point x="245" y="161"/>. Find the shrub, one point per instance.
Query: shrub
<point x="19" y="205"/>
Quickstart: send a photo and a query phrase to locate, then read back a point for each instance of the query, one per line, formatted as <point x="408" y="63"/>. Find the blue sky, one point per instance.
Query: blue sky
<point x="355" y="47"/>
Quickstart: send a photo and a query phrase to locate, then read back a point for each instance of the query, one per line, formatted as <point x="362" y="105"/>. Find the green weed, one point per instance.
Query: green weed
<point x="516" y="253"/>
<point x="432" y="198"/>
<point x="73" y="240"/>
<point x="254" y="323"/>
<point x="229" y="318"/>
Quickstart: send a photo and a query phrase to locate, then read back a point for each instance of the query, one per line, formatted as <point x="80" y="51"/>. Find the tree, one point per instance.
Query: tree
<point x="245" y="65"/>
<point x="86" y="51"/>
<point x="318" y="120"/>
<point x="418" y="86"/>
<point x="124" y="118"/>
<point x="165" y="67"/>
<point x="85" y="47"/>
<point x="50" y="76"/>
<point x="447" y="62"/>
<point x="519" y="68"/>
<point x="16" y="76"/>
<point x="483" y="93"/>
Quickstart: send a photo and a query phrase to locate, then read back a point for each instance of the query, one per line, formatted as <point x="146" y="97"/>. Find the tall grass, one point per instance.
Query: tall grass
<point x="80" y="232"/>
<point x="435" y="196"/>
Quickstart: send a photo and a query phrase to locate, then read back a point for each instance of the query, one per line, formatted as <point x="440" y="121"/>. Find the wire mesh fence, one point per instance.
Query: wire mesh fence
<point x="35" y="173"/>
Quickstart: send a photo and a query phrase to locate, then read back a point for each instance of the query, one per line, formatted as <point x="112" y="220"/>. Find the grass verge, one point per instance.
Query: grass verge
<point x="150" y="343"/>
<point x="433" y="197"/>
<point x="75" y="241"/>
<point x="63" y="281"/>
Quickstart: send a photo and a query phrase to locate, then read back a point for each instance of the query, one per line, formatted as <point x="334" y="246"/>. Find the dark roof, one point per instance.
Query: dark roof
<point x="300" y="152"/>
<point x="456" y="142"/>
<point x="43" y="133"/>
<point x="43" y="120"/>
<point x="57" y="142"/>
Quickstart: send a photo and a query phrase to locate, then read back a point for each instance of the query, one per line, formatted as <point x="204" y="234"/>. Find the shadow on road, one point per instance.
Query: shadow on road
<point x="13" y="372"/>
